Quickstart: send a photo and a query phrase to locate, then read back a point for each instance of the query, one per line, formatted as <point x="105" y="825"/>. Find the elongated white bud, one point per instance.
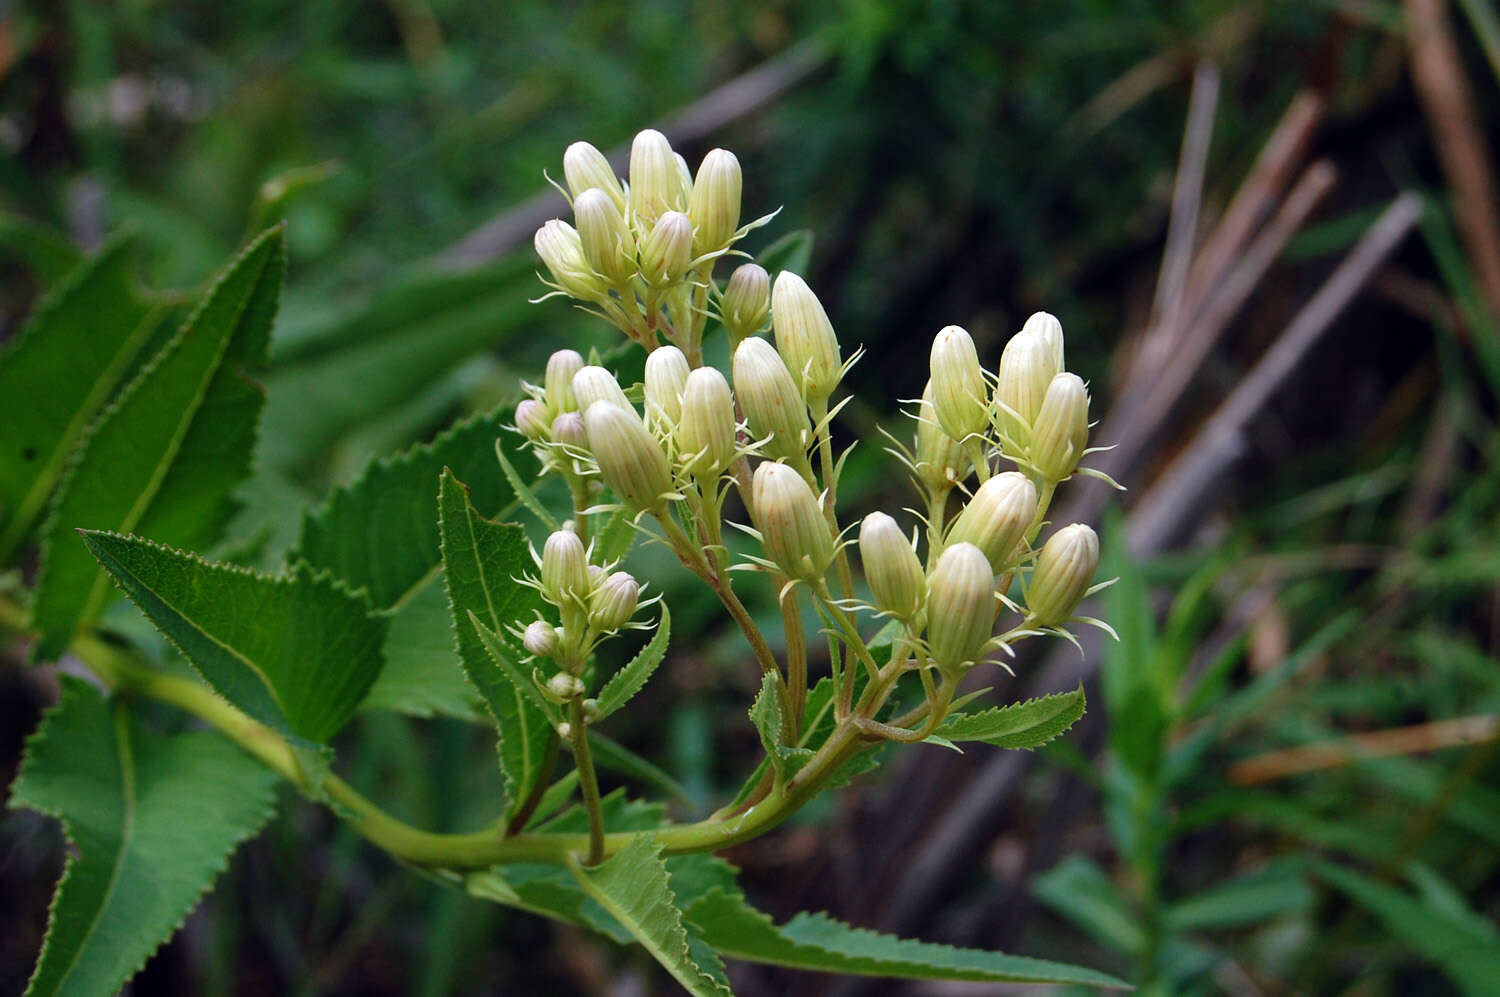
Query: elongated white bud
<point x="565" y="569"/>
<point x="805" y="338"/>
<point x="666" y="376"/>
<point x="961" y="606"/>
<point x="891" y="567"/>
<point x="1050" y="330"/>
<point x="959" y="396"/>
<point x="996" y="517"/>
<point x="614" y="601"/>
<point x="595" y="384"/>
<point x="714" y="205"/>
<point x="942" y="461"/>
<point x="1026" y="369"/>
<point x="790" y="519"/>
<point x="667" y="251"/>
<point x="772" y="404"/>
<point x="656" y="180"/>
<point x="531" y="419"/>
<point x="630" y="460"/>
<point x="585" y="167"/>
<point x="558" y="380"/>
<point x="1061" y="431"/>
<point x="747" y="302"/>
<point x="705" y="433"/>
<point x="558" y="245"/>
<point x="1064" y="570"/>
<point x="607" y="243"/>
<point x="540" y="639"/>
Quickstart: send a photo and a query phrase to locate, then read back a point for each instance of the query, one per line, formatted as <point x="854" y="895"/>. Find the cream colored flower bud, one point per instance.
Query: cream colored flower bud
<point x="961" y="606"/>
<point x="656" y="181"/>
<point x="595" y="384"/>
<point x="1050" y="330"/>
<point x="891" y="567"/>
<point x="586" y="167"/>
<point x="705" y="433"/>
<point x="996" y="517"/>
<point x="558" y="380"/>
<point x="567" y="429"/>
<point x="805" y="338"/>
<point x="563" y="687"/>
<point x="714" y="205"/>
<point x="614" y="601"/>
<point x="941" y="461"/>
<point x="1064" y="570"/>
<point x="790" y="519"/>
<point x="565" y="568"/>
<point x="1061" y="431"/>
<point x="540" y="639"/>
<point x="607" y="243"/>
<point x="531" y="419"/>
<point x="558" y="245"/>
<point x="773" y="406"/>
<point x="630" y="460"/>
<point x="747" y="301"/>
<point x="666" y="376"/>
<point x="667" y="251"/>
<point x="959" y="396"/>
<point x="1026" y="369"/>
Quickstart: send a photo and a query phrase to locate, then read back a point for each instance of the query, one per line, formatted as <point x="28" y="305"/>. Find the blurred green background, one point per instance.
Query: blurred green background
<point x="1336" y="577"/>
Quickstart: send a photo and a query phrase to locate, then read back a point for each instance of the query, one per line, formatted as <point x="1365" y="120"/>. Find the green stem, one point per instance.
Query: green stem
<point x="588" y="782"/>
<point x="796" y="654"/>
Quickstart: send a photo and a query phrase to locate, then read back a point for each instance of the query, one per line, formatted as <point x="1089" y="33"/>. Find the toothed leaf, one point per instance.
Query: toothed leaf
<point x="1030" y="724"/>
<point x="628" y="681"/>
<point x="767" y="715"/>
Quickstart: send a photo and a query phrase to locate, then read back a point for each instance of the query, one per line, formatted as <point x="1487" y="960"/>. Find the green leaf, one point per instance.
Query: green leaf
<point x="46" y="251"/>
<point x="151" y="821"/>
<point x="767" y="716"/>
<point x="628" y="681"/>
<point x="297" y="653"/>
<point x="422" y="676"/>
<point x="617" y="758"/>
<point x="792" y="251"/>
<point x="165" y="456"/>
<point x="1080" y="891"/>
<point x="1249" y="899"/>
<point x="614" y="541"/>
<point x="820" y="943"/>
<point x="1028" y="724"/>
<point x="634" y="888"/>
<point x="481" y="561"/>
<point x="66" y="362"/>
<point x="523" y="491"/>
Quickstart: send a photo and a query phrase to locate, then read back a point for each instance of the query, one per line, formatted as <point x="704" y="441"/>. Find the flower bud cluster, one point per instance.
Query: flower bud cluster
<point x="592" y="602"/>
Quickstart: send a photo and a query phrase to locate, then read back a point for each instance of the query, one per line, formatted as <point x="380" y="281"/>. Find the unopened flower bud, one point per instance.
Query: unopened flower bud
<point x="565" y="572"/>
<point x="1061" y="431"/>
<point x="959" y="396"/>
<point x="705" y="433"/>
<point x="666" y="376"/>
<point x="540" y="639"/>
<point x="1026" y="369"/>
<point x="667" y="251"/>
<point x="558" y="380"/>
<point x="773" y="406"/>
<point x="607" y="243"/>
<point x="790" y="519"/>
<point x="714" y="205"/>
<point x="1050" y="330"/>
<point x="941" y="460"/>
<point x="558" y="245"/>
<point x="891" y="567"/>
<point x="563" y="687"/>
<point x="585" y="167"/>
<point x="805" y="338"/>
<point x="531" y="419"/>
<point x="961" y="606"/>
<point x="590" y="710"/>
<point x="614" y="601"/>
<point x="1064" y="569"/>
<point x="656" y="180"/>
<point x="630" y="460"/>
<point x="747" y="301"/>
<point x="997" y="517"/>
<point x="567" y="429"/>
<point x="595" y="384"/>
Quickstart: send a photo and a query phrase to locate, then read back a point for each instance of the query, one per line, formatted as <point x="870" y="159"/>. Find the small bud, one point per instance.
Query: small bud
<point x="558" y="380"/>
<point x="567" y="429"/>
<point x="805" y="338"/>
<point x="565" y="572"/>
<point x="614" y="601"/>
<point x="531" y="419"/>
<point x="666" y="376"/>
<point x="996" y="517"/>
<point x="1061" y="431"/>
<point x="747" y="301"/>
<point x="590" y="710"/>
<point x="714" y="205"/>
<point x="540" y="639"/>
<point x="563" y="687"/>
<point x="1026" y="369"/>
<point x="667" y="251"/>
<point x="790" y="519"/>
<point x="1050" y="330"/>
<point x="961" y="606"/>
<point x="941" y="460"/>
<point x="595" y="384"/>
<point x="630" y="460"/>
<point x="705" y="433"/>
<point x="558" y="245"/>
<point x="891" y="567"/>
<point x="773" y="406"/>
<point x="607" y="243"/>
<point x="1064" y="569"/>
<point x="586" y="167"/>
<point x="959" y="397"/>
<point x="565" y="730"/>
<point x="656" y="180"/>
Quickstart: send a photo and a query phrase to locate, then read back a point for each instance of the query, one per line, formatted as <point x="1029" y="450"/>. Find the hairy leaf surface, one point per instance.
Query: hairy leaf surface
<point x="1028" y="724"/>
